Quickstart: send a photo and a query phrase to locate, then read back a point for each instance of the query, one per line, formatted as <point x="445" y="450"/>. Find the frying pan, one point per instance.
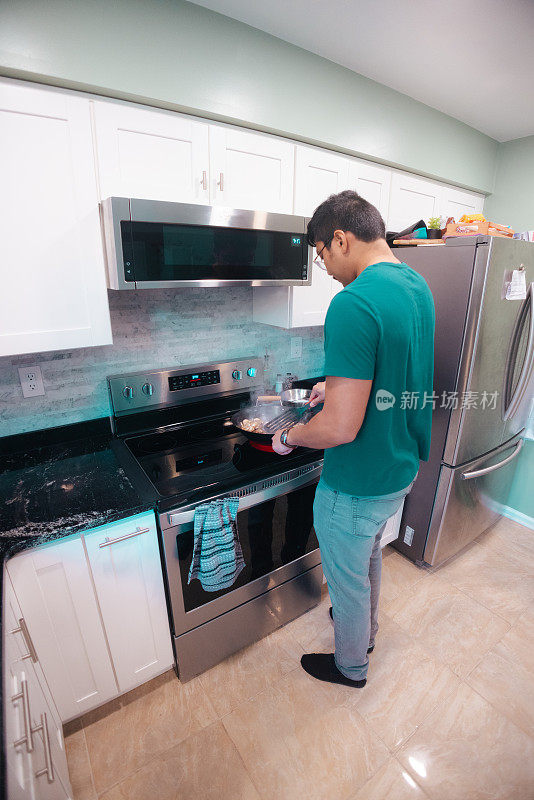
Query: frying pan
<point x="265" y="412"/>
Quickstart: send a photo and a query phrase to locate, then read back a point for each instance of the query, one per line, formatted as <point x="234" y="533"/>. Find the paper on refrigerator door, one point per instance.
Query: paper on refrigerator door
<point x="517" y="288"/>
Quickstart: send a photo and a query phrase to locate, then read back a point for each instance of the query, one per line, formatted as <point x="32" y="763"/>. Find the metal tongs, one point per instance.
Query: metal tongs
<point x="296" y="401"/>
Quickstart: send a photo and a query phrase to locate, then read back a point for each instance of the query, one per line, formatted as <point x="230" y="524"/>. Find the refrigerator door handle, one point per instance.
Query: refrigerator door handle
<point x="478" y="473"/>
<point x="522" y="383"/>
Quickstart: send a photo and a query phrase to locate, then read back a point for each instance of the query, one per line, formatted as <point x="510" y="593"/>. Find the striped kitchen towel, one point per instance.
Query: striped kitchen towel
<point x="217" y="555"/>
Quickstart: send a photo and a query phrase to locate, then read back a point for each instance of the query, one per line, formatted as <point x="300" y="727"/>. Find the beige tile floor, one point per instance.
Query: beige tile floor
<point x="447" y="712"/>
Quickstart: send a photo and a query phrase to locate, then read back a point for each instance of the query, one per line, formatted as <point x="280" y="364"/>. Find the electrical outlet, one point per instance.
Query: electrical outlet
<point x="31" y="381"/>
<point x="296" y="347"/>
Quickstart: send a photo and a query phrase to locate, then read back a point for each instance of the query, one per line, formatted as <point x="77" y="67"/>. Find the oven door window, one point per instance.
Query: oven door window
<point x="172" y="252"/>
<point x="272" y="534"/>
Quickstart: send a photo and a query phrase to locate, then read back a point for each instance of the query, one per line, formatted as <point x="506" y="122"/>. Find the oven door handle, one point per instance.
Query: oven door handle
<point x="252" y="496"/>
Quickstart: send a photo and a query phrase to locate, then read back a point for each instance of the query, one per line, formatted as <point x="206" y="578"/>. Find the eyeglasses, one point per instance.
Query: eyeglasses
<point x="318" y="260"/>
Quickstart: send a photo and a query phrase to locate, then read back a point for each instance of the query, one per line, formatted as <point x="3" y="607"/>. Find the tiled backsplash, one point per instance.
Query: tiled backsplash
<point x="151" y="329"/>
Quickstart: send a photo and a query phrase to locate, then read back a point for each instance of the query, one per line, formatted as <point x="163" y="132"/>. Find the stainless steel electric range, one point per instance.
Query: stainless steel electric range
<point x="175" y="439"/>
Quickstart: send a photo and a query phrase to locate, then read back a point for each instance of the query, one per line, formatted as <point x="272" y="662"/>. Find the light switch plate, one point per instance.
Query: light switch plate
<point x="296" y="347"/>
<point x="31" y="381"/>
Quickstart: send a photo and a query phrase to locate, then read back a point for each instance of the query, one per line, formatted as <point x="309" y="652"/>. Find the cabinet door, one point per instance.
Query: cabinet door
<point x="19" y="775"/>
<point x="153" y="155"/>
<point x="412" y="199"/>
<point x="20" y="676"/>
<point x="372" y="182"/>
<point x="249" y="170"/>
<point x="456" y="202"/>
<point x="127" y="572"/>
<point x="318" y="174"/>
<point x="53" y="586"/>
<point x="53" y="277"/>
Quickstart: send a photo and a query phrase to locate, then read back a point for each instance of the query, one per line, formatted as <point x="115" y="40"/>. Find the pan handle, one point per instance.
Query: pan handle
<point x="268" y="398"/>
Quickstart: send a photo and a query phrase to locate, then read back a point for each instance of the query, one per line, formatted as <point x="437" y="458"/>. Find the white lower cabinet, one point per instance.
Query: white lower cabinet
<point x="54" y="588"/>
<point x="36" y="764"/>
<point x="97" y="616"/>
<point x="126" y="567"/>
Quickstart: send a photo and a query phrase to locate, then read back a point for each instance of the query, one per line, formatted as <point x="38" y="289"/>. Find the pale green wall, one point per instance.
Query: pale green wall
<point x="177" y="55"/>
<point x="512" y="202"/>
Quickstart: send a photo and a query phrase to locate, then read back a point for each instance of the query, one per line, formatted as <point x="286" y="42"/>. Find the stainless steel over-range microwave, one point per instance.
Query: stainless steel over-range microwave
<point x="153" y="244"/>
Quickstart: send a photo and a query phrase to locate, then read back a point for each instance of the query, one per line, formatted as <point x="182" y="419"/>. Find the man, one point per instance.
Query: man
<point x="375" y="423"/>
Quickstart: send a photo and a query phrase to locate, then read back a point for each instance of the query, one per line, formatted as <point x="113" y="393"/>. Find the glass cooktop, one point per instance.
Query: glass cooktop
<point x="209" y="456"/>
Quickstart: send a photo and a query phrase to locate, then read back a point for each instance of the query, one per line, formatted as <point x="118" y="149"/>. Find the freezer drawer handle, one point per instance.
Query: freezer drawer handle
<point x="107" y="541"/>
<point x="477" y="473"/>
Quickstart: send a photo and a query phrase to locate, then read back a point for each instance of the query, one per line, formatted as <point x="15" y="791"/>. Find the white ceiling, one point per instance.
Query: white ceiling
<point x="471" y="60"/>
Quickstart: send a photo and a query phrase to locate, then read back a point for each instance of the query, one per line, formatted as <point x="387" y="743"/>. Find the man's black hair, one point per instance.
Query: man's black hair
<point x="346" y="211"/>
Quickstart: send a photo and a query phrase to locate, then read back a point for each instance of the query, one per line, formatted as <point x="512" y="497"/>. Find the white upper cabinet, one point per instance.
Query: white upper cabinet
<point x="412" y="199"/>
<point x="456" y="202"/>
<point x="53" y="276"/>
<point x="250" y="170"/>
<point x="126" y="566"/>
<point x="149" y="154"/>
<point x="372" y="182"/>
<point x="318" y="174"/>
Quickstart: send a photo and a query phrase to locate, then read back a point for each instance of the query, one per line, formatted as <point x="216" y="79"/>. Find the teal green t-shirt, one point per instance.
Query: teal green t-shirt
<point x="381" y="328"/>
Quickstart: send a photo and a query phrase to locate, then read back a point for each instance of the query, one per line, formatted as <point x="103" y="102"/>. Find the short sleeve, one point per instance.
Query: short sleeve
<point x="352" y="335"/>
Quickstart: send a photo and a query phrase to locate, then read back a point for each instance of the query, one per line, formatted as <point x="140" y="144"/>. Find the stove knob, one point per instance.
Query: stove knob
<point x="251" y="372"/>
<point x="148" y="389"/>
<point x="237" y="375"/>
<point x="128" y="392"/>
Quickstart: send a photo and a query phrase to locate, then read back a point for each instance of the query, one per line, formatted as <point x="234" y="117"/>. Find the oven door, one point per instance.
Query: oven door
<point x="275" y="526"/>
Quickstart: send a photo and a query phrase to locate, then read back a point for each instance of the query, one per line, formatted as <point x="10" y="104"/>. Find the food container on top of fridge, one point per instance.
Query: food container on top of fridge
<point x="476" y="225"/>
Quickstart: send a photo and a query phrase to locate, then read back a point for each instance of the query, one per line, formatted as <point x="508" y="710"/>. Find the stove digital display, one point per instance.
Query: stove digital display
<point x="177" y="382"/>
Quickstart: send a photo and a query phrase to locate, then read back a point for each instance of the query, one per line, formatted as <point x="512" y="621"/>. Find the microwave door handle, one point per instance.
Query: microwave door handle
<point x="528" y="363"/>
<point x="478" y="473"/>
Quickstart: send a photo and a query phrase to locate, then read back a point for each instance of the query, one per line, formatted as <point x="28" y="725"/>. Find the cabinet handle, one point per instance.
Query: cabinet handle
<point x="220" y="182"/>
<point x="48" y="769"/>
<point x="23" y="628"/>
<point x="204" y="180"/>
<point x="23" y="695"/>
<point x="107" y="541"/>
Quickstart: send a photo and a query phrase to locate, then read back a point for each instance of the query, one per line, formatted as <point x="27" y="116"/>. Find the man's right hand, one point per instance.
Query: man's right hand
<point x="317" y="395"/>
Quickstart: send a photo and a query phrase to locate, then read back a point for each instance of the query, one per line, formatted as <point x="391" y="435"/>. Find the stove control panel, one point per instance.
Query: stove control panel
<point x="193" y="380"/>
<point x="161" y="388"/>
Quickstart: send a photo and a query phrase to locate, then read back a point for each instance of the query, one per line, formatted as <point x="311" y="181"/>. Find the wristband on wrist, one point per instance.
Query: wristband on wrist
<point x="283" y="439"/>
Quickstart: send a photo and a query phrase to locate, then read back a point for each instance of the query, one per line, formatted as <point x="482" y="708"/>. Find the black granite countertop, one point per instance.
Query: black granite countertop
<point x="49" y="490"/>
<point x="55" y="483"/>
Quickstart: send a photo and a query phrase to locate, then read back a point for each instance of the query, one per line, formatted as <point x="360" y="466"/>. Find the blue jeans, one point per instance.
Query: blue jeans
<point x="349" y="530"/>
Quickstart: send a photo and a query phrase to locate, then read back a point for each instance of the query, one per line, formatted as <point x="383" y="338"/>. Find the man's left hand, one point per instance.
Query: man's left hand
<point x="277" y="445"/>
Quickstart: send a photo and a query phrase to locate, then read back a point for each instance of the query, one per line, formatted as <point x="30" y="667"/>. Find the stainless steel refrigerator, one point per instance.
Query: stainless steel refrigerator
<point x="484" y="343"/>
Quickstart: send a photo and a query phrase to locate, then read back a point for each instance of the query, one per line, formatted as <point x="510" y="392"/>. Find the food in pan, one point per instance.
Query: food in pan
<point x="253" y="425"/>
